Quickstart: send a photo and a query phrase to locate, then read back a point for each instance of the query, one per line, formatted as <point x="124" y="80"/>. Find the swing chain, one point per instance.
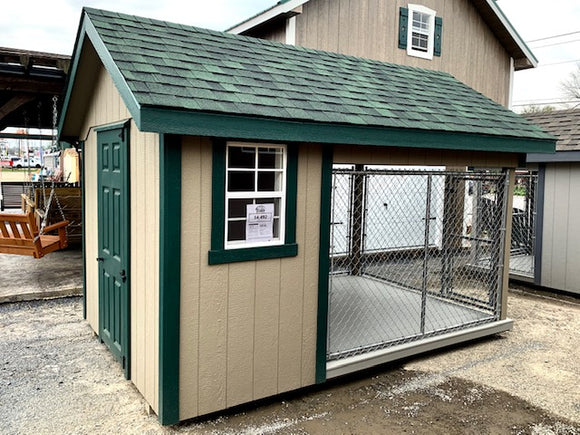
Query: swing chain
<point x="53" y="194"/>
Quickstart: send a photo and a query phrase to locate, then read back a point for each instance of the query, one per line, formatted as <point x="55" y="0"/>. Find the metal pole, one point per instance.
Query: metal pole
<point x="426" y="255"/>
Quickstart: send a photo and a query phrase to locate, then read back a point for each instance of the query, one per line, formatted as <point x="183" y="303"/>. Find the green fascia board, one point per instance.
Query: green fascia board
<point x="163" y="120"/>
<point x="87" y="30"/>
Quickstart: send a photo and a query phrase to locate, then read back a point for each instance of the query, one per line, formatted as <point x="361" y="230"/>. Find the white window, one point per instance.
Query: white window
<point x="421" y="32"/>
<point x="255" y="195"/>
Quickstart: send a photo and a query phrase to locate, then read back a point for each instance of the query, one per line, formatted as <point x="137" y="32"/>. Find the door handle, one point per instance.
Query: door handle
<point x="100" y="259"/>
<point x="123" y="275"/>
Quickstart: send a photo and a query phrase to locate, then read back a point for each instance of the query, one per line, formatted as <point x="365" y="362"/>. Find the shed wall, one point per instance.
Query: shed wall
<point x="107" y="107"/>
<point x="560" y="235"/>
<point x="248" y="330"/>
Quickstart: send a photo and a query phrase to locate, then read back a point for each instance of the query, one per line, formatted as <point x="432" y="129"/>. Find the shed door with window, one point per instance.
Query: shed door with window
<point x="113" y="242"/>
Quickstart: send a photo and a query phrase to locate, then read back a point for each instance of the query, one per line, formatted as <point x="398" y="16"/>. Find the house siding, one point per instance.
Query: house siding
<point x="560" y="235"/>
<point x="248" y="330"/>
<point x="107" y="107"/>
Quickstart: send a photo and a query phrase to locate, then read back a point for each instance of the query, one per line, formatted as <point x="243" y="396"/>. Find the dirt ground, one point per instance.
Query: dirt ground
<point x="55" y="377"/>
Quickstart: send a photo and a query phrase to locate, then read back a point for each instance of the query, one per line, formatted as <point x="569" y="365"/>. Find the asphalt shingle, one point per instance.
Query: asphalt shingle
<point x="238" y="75"/>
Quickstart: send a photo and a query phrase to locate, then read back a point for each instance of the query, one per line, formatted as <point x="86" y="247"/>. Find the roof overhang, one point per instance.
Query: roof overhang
<point x="171" y="121"/>
<point x="28" y="82"/>
<point x="283" y="8"/>
<point x="89" y="53"/>
<point x="557" y="157"/>
<point x="489" y="10"/>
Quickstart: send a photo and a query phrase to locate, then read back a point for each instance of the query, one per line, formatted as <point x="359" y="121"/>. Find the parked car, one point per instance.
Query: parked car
<point x="26" y="163"/>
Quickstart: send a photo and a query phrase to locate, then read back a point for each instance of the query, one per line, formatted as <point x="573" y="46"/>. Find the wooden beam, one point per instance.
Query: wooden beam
<point x="14" y="104"/>
<point x="25" y="136"/>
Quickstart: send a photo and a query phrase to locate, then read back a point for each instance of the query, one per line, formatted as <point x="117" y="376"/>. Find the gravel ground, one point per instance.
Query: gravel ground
<point x="56" y="377"/>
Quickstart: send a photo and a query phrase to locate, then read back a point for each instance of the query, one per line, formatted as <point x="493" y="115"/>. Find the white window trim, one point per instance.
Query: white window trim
<point x="431" y="35"/>
<point x="281" y="195"/>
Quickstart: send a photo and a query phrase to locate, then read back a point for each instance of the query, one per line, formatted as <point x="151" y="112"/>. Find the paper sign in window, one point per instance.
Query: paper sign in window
<point x="259" y="222"/>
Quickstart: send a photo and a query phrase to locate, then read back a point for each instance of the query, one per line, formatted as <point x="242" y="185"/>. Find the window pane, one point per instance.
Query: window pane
<point x="241" y="157"/>
<point x="275" y="201"/>
<point x="237" y="207"/>
<point x="420" y="21"/>
<point x="266" y="181"/>
<point x="241" y="181"/>
<point x="420" y="42"/>
<point x="276" y="228"/>
<point x="236" y="230"/>
<point x="270" y="158"/>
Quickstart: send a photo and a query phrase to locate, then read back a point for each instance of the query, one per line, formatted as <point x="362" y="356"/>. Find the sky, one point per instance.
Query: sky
<point x="51" y="26"/>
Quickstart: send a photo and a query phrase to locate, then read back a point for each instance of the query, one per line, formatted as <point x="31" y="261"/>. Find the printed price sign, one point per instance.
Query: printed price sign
<point x="259" y="222"/>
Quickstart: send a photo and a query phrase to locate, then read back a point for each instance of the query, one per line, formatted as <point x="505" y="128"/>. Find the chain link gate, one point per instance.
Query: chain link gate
<point x="523" y="245"/>
<point x="413" y="254"/>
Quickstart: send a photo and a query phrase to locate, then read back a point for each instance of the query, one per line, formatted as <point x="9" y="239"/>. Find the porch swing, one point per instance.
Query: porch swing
<point x="19" y="232"/>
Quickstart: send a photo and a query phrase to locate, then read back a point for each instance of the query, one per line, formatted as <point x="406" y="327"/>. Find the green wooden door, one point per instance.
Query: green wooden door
<point x="113" y="206"/>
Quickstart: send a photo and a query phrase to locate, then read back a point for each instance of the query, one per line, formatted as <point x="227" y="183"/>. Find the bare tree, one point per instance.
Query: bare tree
<point x="571" y="85"/>
<point x="537" y="109"/>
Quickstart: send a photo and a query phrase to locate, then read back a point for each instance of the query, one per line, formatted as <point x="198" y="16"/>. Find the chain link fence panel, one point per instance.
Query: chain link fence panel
<point x="523" y="245"/>
<point x="413" y="254"/>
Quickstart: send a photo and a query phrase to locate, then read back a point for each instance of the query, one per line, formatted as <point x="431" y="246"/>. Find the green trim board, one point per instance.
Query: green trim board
<point x="156" y="119"/>
<point x="323" y="264"/>
<point x="169" y="277"/>
<point x="219" y="255"/>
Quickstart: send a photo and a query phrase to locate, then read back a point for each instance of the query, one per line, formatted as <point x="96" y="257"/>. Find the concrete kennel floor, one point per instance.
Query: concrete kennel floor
<point x="367" y="312"/>
<point x="522" y="265"/>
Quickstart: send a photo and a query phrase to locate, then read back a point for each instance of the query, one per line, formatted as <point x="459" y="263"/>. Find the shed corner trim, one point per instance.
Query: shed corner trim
<point x="169" y="277"/>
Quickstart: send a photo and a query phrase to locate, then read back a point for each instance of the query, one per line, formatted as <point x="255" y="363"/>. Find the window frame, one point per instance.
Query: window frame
<point x="286" y="246"/>
<point x="256" y="194"/>
<point x="411" y="51"/>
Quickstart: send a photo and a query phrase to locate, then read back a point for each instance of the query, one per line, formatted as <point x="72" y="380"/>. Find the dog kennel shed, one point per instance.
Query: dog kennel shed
<point x="212" y="266"/>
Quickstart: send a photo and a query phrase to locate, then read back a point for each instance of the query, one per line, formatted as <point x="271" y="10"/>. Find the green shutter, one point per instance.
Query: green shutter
<point x="403" y="22"/>
<point x="438" y="34"/>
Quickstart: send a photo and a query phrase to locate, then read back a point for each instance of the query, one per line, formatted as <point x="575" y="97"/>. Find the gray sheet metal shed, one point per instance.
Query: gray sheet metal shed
<point x="202" y="315"/>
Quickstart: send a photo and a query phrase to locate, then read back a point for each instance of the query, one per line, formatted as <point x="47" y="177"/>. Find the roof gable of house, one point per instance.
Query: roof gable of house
<point x="489" y="10"/>
<point x="185" y="80"/>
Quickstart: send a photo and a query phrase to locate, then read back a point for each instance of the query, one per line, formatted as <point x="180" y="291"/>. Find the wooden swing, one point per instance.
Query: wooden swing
<point x="19" y="235"/>
<point x="19" y="232"/>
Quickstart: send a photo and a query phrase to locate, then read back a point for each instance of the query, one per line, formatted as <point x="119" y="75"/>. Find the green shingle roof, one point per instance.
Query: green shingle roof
<point x="178" y="67"/>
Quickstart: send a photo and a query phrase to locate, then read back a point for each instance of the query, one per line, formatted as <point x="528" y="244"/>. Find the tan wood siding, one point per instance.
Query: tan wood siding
<point x="250" y="330"/>
<point x="370" y="28"/>
<point x="560" y="234"/>
<point x="144" y="170"/>
<point x="416" y="156"/>
<point x="107" y="107"/>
